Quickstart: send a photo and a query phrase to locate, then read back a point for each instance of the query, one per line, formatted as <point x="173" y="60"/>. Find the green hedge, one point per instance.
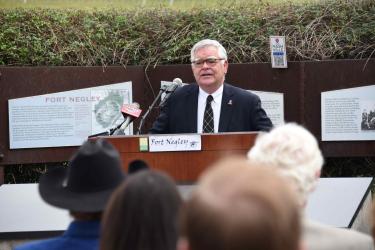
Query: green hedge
<point x="334" y="30"/>
<point x="333" y="167"/>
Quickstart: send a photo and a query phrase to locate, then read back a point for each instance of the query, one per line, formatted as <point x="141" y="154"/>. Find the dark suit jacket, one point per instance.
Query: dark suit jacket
<point x="240" y="111"/>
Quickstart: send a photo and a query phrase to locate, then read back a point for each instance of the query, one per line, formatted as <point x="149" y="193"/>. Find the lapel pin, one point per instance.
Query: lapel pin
<point x="230" y="102"/>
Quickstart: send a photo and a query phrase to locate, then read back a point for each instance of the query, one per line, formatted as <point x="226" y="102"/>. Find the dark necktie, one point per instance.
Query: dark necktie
<point x="208" y="118"/>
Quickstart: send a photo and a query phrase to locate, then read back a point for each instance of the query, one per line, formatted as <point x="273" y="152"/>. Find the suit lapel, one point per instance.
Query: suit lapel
<point x="192" y="104"/>
<point x="226" y="108"/>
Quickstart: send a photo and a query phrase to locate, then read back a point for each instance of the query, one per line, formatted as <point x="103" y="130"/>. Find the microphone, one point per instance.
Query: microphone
<point x="130" y="113"/>
<point x="168" y="90"/>
<point x="177" y="82"/>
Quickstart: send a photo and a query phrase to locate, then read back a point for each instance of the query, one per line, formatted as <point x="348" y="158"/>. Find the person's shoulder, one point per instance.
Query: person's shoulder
<point x="358" y="238"/>
<point x="186" y="89"/>
<point x="189" y="87"/>
<point x="36" y="245"/>
<point x="240" y="91"/>
<point x="61" y="243"/>
<point x="321" y="236"/>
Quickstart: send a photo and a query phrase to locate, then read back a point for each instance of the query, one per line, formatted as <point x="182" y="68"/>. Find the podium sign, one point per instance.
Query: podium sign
<point x="166" y="143"/>
<point x="183" y="166"/>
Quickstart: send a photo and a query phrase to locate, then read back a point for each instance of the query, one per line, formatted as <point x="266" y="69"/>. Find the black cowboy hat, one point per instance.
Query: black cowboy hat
<point x="86" y="185"/>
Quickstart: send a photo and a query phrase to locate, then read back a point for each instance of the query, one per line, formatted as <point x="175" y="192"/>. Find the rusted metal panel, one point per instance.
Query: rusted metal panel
<point x="19" y="82"/>
<point x="261" y="77"/>
<point x="301" y="84"/>
<point x="334" y="75"/>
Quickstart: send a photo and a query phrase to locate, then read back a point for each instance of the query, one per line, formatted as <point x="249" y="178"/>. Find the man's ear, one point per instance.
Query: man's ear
<point x="183" y="244"/>
<point x="226" y="65"/>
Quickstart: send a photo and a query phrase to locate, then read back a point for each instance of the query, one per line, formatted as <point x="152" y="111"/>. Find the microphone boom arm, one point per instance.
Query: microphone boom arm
<point x="113" y="130"/>
<point x="148" y="111"/>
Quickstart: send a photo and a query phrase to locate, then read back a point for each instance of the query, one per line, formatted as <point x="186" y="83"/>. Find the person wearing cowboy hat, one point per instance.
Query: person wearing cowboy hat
<point x="83" y="188"/>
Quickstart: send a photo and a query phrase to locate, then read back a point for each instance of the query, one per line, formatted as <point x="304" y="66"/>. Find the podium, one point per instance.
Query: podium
<point x="184" y="166"/>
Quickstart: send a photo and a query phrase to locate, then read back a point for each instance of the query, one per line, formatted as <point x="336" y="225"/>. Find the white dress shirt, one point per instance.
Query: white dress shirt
<point x="215" y="104"/>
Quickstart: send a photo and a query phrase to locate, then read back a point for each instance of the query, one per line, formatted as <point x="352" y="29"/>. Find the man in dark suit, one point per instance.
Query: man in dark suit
<point x="211" y="106"/>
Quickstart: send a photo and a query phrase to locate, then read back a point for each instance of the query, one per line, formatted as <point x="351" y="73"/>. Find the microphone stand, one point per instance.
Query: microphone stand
<point x="148" y="110"/>
<point x="105" y="133"/>
<point x="113" y="130"/>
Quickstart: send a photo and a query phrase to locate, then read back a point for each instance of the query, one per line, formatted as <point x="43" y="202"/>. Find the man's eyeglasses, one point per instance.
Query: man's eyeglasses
<point x="212" y="61"/>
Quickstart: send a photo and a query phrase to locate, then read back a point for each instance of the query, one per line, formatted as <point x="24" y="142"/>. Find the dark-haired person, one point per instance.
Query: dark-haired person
<point x="142" y="214"/>
<point x="83" y="188"/>
<point x="239" y="205"/>
<point x="137" y="165"/>
<point x="294" y="152"/>
<point x="211" y="105"/>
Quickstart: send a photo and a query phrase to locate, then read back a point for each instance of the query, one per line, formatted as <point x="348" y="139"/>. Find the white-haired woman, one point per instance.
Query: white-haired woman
<point x="295" y="153"/>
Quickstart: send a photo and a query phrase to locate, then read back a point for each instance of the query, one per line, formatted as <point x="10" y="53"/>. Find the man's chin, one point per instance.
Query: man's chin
<point x="206" y="82"/>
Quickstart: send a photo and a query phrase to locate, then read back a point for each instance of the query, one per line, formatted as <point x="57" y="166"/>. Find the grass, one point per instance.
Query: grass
<point x="136" y="4"/>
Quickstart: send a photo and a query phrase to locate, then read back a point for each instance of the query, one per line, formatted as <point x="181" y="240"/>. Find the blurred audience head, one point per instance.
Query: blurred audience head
<point x="239" y="205"/>
<point x="85" y="186"/>
<point x="137" y="165"/>
<point x="142" y="214"/>
<point x="295" y="152"/>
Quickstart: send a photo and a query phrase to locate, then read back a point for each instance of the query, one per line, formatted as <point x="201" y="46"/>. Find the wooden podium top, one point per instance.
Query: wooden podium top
<point x="184" y="166"/>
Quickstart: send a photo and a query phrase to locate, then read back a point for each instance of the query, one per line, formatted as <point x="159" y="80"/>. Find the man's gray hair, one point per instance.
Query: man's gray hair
<point x="295" y="152"/>
<point x="207" y="43"/>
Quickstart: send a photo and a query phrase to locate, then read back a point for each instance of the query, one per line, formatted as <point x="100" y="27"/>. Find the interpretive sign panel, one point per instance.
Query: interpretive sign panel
<point x="348" y="114"/>
<point x="273" y="104"/>
<point x="66" y="118"/>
